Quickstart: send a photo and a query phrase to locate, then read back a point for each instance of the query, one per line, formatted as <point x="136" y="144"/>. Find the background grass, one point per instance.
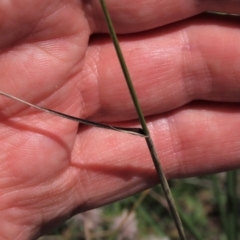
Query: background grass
<point x="207" y="205"/>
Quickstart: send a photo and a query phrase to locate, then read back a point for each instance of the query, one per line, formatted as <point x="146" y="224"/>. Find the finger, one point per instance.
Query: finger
<point x="138" y="15"/>
<point x="194" y="59"/>
<point x="198" y="139"/>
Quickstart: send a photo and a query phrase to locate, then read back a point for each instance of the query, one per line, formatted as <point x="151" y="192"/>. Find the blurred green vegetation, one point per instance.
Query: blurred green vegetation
<point x="207" y="206"/>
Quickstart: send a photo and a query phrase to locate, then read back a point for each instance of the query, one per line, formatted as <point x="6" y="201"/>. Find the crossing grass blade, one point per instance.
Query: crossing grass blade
<point x="161" y="175"/>
<point x="133" y="131"/>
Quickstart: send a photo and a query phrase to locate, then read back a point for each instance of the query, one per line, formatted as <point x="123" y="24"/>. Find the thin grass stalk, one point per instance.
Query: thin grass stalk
<point x="221" y="201"/>
<point x="144" y="214"/>
<point x="160" y="173"/>
<point x="189" y="226"/>
<point x="133" y="131"/>
<point x="232" y="199"/>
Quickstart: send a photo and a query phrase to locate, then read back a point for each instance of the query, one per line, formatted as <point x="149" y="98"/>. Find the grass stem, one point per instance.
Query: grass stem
<point x="220" y="200"/>
<point x="232" y="203"/>
<point x="161" y="175"/>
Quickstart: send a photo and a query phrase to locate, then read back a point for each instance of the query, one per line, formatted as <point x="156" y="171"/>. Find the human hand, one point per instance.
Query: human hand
<point x="51" y="168"/>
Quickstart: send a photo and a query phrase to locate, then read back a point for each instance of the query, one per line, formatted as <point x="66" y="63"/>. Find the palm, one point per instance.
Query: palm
<point x="50" y="159"/>
<point x="44" y="66"/>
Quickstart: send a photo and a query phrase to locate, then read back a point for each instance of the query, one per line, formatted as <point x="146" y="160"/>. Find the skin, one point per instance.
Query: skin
<point x="185" y="68"/>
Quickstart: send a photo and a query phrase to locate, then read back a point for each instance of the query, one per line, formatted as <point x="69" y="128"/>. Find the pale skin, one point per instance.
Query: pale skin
<point x="52" y="168"/>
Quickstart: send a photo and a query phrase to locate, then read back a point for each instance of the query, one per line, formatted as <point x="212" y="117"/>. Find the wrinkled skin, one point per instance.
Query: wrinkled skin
<point x="52" y="168"/>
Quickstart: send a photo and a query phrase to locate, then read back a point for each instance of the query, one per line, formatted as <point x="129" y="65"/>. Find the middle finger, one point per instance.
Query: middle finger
<point x="170" y="66"/>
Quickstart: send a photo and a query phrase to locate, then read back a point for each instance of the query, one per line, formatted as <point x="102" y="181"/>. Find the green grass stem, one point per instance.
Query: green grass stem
<point x="232" y="199"/>
<point x="163" y="180"/>
<point x="220" y="200"/>
<point x="189" y="226"/>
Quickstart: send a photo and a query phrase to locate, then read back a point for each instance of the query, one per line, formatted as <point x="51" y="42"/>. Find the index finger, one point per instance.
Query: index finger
<point x="140" y="15"/>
